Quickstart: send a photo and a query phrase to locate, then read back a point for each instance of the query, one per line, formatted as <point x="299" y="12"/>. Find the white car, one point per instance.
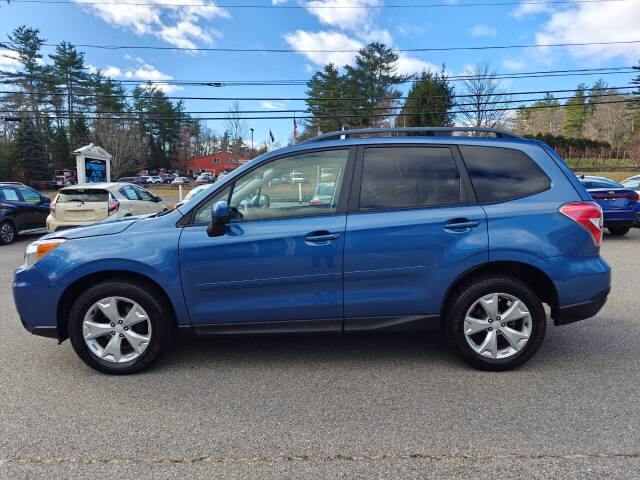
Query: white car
<point x="155" y="179"/>
<point x="632" y="183"/>
<point x="180" y="181"/>
<point x="93" y="202"/>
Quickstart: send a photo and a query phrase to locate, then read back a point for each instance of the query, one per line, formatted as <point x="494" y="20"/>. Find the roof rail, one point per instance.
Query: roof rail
<point x="427" y="130"/>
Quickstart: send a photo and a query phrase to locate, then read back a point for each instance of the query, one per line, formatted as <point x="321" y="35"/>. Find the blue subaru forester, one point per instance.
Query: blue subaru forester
<point x="474" y="232"/>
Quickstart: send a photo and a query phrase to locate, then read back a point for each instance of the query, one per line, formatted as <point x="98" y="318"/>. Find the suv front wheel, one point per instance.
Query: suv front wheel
<point x="118" y="327"/>
<point x="495" y="322"/>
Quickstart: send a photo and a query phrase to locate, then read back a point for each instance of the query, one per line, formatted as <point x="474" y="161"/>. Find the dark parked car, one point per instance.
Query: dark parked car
<point x="618" y="203"/>
<point x="136" y="180"/>
<point x="475" y="234"/>
<point x="22" y="210"/>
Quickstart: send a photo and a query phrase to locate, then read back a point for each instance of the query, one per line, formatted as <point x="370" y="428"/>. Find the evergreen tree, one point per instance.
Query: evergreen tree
<point x="31" y="157"/>
<point x="79" y="133"/>
<point x="69" y="74"/>
<point x="372" y="80"/>
<point x="26" y="44"/>
<point x="324" y="90"/>
<point x="61" y="150"/>
<point x="429" y="103"/>
<point x="225" y="142"/>
<point x="576" y="112"/>
<point x="109" y="94"/>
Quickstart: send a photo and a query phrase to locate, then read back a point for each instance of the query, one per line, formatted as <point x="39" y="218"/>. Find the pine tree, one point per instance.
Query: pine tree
<point x="373" y="79"/>
<point x="69" y="73"/>
<point x="324" y="90"/>
<point x="31" y="157"/>
<point x="60" y="149"/>
<point x="429" y="103"/>
<point x="576" y="113"/>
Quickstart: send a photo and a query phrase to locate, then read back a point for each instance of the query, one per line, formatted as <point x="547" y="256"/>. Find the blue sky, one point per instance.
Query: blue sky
<point x="309" y="28"/>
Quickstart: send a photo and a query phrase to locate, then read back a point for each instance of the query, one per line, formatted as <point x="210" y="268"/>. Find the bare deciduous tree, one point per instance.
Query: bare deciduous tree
<point x="237" y="127"/>
<point x="483" y="105"/>
<point x="124" y="140"/>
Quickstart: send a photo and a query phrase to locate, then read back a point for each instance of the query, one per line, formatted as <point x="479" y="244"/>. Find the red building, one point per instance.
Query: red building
<point x="216" y="163"/>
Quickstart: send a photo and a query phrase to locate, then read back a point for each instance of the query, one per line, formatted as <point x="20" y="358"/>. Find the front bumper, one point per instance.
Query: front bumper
<point x="36" y="299"/>
<point x="580" y="311"/>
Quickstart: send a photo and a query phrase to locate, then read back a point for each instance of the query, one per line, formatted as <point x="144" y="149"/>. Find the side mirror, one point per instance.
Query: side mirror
<point x="219" y="219"/>
<point x="157" y="199"/>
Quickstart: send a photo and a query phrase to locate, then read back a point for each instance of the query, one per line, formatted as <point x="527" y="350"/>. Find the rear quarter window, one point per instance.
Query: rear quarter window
<point x="83" y="195"/>
<point x="501" y="174"/>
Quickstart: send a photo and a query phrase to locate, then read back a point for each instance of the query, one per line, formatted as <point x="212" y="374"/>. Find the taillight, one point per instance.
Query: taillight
<point x="52" y="207"/>
<point x="588" y="215"/>
<point x="113" y="204"/>
<point x="633" y="196"/>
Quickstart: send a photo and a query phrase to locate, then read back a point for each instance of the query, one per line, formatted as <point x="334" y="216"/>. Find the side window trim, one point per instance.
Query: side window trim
<point x="356" y="187"/>
<point x="341" y="207"/>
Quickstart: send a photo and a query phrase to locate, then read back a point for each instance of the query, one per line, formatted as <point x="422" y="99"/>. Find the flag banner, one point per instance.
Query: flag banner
<point x="295" y="128"/>
<point x="271" y="136"/>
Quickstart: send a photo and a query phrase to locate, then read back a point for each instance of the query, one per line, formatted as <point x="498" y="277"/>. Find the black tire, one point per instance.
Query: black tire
<point x="463" y="298"/>
<point x="619" y="231"/>
<point x="7" y="232"/>
<point x="149" y="300"/>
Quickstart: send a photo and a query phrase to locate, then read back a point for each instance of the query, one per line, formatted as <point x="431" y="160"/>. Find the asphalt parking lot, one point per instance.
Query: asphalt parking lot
<point x="389" y="406"/>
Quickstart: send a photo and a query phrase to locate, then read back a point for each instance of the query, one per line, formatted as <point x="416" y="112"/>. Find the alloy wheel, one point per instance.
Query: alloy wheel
<point x="497" y="325"/>
<point x="116" y="329"/>
<point x="7" y="232"/>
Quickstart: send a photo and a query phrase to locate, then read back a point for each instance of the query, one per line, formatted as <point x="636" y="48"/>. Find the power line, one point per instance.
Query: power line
<point x="290" y="117"/>
<point x="289" y="50"/>
<point x="285" y="99"/>
<point x="319" y="7"/>
<point x="323" y="111"/>
<point x="303" y="82"/>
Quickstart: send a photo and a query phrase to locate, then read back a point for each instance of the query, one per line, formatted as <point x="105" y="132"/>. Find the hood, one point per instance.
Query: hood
<point x="108" y="227"/>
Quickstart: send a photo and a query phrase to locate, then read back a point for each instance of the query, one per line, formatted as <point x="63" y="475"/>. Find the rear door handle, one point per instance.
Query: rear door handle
<point x="461" y="224"/>
<point x="321" y="236"/>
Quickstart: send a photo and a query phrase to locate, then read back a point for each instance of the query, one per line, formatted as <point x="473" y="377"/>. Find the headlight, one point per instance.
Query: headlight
<point x="39" y="249"/>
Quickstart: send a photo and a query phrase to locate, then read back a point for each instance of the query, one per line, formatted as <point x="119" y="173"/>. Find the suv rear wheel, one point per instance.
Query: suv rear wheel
<point x="495" y="322"/>
<point x="118" y="327"/>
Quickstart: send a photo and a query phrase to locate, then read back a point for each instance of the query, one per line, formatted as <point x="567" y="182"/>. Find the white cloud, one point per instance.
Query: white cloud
<point x="9" y="60"/>
<point x="513" y="64"/>
<point x="408" y="30"/>
<point x="149" y="72"/>
<point x="173" y="24"/>
<point x="525" y="9"/>
<point x="483" y="31"/>
<point x="344" y="18"/>
<point x="165" y="87"/>
<point x="111" y="71"/>
<point x="609" y="22"/>
<point x="303" y="40"/>
<point x="408" y="66"/>
<point x="369" y="36"/>
<point x="133" y="58"/>
<point x="272" y="105"/>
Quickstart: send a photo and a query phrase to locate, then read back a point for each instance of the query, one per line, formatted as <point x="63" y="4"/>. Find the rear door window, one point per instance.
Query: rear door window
<point x="83" y="195"/>
<point x="500" y="174"/>
<point x="9" y="193"/>
<point x="408" y="177"/>
<point x="128" y="192"/>
<point x="144" y="194"/>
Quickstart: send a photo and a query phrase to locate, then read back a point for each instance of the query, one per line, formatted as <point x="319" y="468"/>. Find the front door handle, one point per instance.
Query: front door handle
<point x="322" y="236"/>
<point x="460" y="224"/>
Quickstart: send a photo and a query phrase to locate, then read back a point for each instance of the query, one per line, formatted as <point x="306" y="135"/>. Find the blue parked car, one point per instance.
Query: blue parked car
<point x="477" y="233"/>
<point x="618" y="203"/>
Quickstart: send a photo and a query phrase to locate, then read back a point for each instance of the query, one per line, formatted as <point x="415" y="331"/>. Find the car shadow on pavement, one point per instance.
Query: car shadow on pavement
<point x="429" y="346"/>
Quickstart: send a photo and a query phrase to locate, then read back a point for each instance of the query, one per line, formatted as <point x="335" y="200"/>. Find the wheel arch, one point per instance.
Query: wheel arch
<point x="81" y="284"/>
<point x="532" y="276"/>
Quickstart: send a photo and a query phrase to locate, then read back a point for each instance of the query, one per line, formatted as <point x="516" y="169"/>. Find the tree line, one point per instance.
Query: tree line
<point x="58" y="104"/>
